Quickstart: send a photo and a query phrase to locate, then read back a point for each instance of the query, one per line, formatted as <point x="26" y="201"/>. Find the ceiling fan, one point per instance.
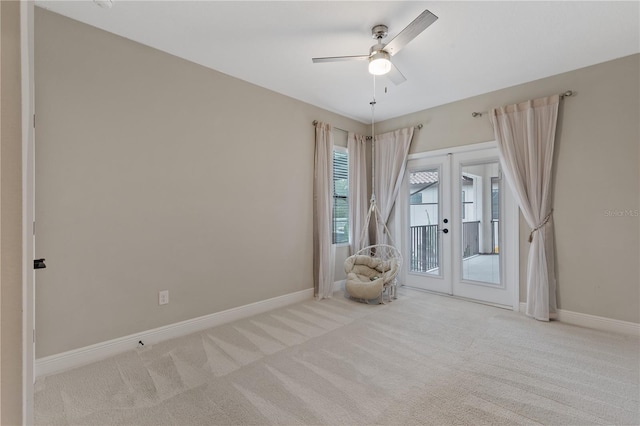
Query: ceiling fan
<point x="379" y="56"/>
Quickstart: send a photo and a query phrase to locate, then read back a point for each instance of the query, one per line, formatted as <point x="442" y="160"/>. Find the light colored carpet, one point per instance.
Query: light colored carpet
<point x="422" y="359"/>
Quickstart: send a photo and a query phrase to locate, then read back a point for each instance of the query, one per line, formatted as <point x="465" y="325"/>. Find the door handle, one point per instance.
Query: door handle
<point x="39" y="264"/>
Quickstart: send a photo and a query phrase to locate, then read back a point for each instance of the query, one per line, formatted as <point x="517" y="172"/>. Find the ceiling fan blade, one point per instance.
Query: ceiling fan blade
<point x="395" y="75"/>
<point x="412" y="30"/>
<point x="340" y="58"/>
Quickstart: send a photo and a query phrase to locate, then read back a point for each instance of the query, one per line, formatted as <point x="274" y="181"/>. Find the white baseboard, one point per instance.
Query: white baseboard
<point x="594" y="322"/>
<point x="338" y="285"/>
<point x="99" y="351"/>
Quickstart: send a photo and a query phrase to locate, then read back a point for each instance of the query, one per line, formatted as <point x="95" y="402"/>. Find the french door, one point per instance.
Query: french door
<point x="459" y="226"/>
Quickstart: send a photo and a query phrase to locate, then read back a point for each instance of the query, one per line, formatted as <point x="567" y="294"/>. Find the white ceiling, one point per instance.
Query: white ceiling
<point x="473" y="48"/>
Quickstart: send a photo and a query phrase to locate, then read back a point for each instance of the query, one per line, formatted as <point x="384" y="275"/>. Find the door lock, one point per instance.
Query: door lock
<point x="39" y="264"/>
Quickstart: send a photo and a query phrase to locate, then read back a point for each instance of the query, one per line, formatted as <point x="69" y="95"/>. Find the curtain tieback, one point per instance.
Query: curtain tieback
<point x="544" y="222"/>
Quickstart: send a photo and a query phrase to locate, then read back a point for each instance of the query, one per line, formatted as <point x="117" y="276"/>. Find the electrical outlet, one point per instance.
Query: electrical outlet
<point x="163" y="297"/>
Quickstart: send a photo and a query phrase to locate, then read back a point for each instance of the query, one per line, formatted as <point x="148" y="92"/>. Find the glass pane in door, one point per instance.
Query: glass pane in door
<point x="424" y="210"/>
<point x="480" y="213"/>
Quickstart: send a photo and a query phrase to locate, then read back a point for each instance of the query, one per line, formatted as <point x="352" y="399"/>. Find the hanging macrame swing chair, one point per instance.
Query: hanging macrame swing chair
<point x="372" y="271"/>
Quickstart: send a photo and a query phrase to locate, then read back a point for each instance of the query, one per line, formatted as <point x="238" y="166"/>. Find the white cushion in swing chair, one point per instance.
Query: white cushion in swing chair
<point x="362" y="287"/>
<point x="366" y="275"/>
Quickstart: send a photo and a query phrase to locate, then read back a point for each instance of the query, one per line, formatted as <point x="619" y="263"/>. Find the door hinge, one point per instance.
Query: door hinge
<point x="34" y="335"/>
<point x="34" y="227"/>
<point x="34" y="121"/>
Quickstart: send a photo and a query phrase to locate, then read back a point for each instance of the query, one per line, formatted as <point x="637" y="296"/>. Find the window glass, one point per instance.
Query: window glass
<point x="340" y="196"/>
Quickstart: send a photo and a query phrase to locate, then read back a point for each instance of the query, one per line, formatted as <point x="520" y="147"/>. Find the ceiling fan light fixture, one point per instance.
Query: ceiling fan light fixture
<point x="379" y="63"/>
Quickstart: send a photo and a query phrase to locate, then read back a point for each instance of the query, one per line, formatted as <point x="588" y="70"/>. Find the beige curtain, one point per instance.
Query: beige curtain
<point x="323" y="249"/>
<point x="390" y="162"/>
<point x="358" y="191"/>
<point x="525" y="134"/>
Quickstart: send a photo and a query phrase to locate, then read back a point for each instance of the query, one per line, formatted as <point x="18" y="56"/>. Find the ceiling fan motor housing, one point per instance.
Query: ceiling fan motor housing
<point x="377" y="48"/>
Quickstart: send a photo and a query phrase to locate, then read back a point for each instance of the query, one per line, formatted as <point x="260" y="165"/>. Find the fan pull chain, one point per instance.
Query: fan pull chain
<point x="373" y="144"/>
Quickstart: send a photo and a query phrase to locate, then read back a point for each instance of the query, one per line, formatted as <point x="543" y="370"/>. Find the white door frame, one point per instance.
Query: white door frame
<point x="510" y="232"/>
<point x="28" y="204"/>
<point x="439" y="282"/>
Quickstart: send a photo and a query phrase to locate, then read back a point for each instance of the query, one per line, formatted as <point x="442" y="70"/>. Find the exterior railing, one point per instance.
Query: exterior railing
<point x="425" y="245"/>
<point x="470" y="239"/>
<point x="424" y="248"/>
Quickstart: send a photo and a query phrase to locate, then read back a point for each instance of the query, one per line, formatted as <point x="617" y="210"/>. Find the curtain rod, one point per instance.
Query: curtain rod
<point x="562" y="96"/>
<point x="417" y="126"/>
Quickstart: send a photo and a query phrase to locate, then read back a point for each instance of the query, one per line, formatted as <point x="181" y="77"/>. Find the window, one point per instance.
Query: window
<point x="495" y="214"/>
<point x="468" y="190"/>
<point x="495" y="198"/>
<point x="340" y="196"/>
<point x="415" y="199"/>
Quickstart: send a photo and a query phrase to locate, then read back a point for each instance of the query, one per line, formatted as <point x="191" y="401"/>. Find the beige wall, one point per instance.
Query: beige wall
<point x="10" y="216"/>
<point x="154" y="173"/>
<point x="596" y="161"/>
<point x="149" y="169"/>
